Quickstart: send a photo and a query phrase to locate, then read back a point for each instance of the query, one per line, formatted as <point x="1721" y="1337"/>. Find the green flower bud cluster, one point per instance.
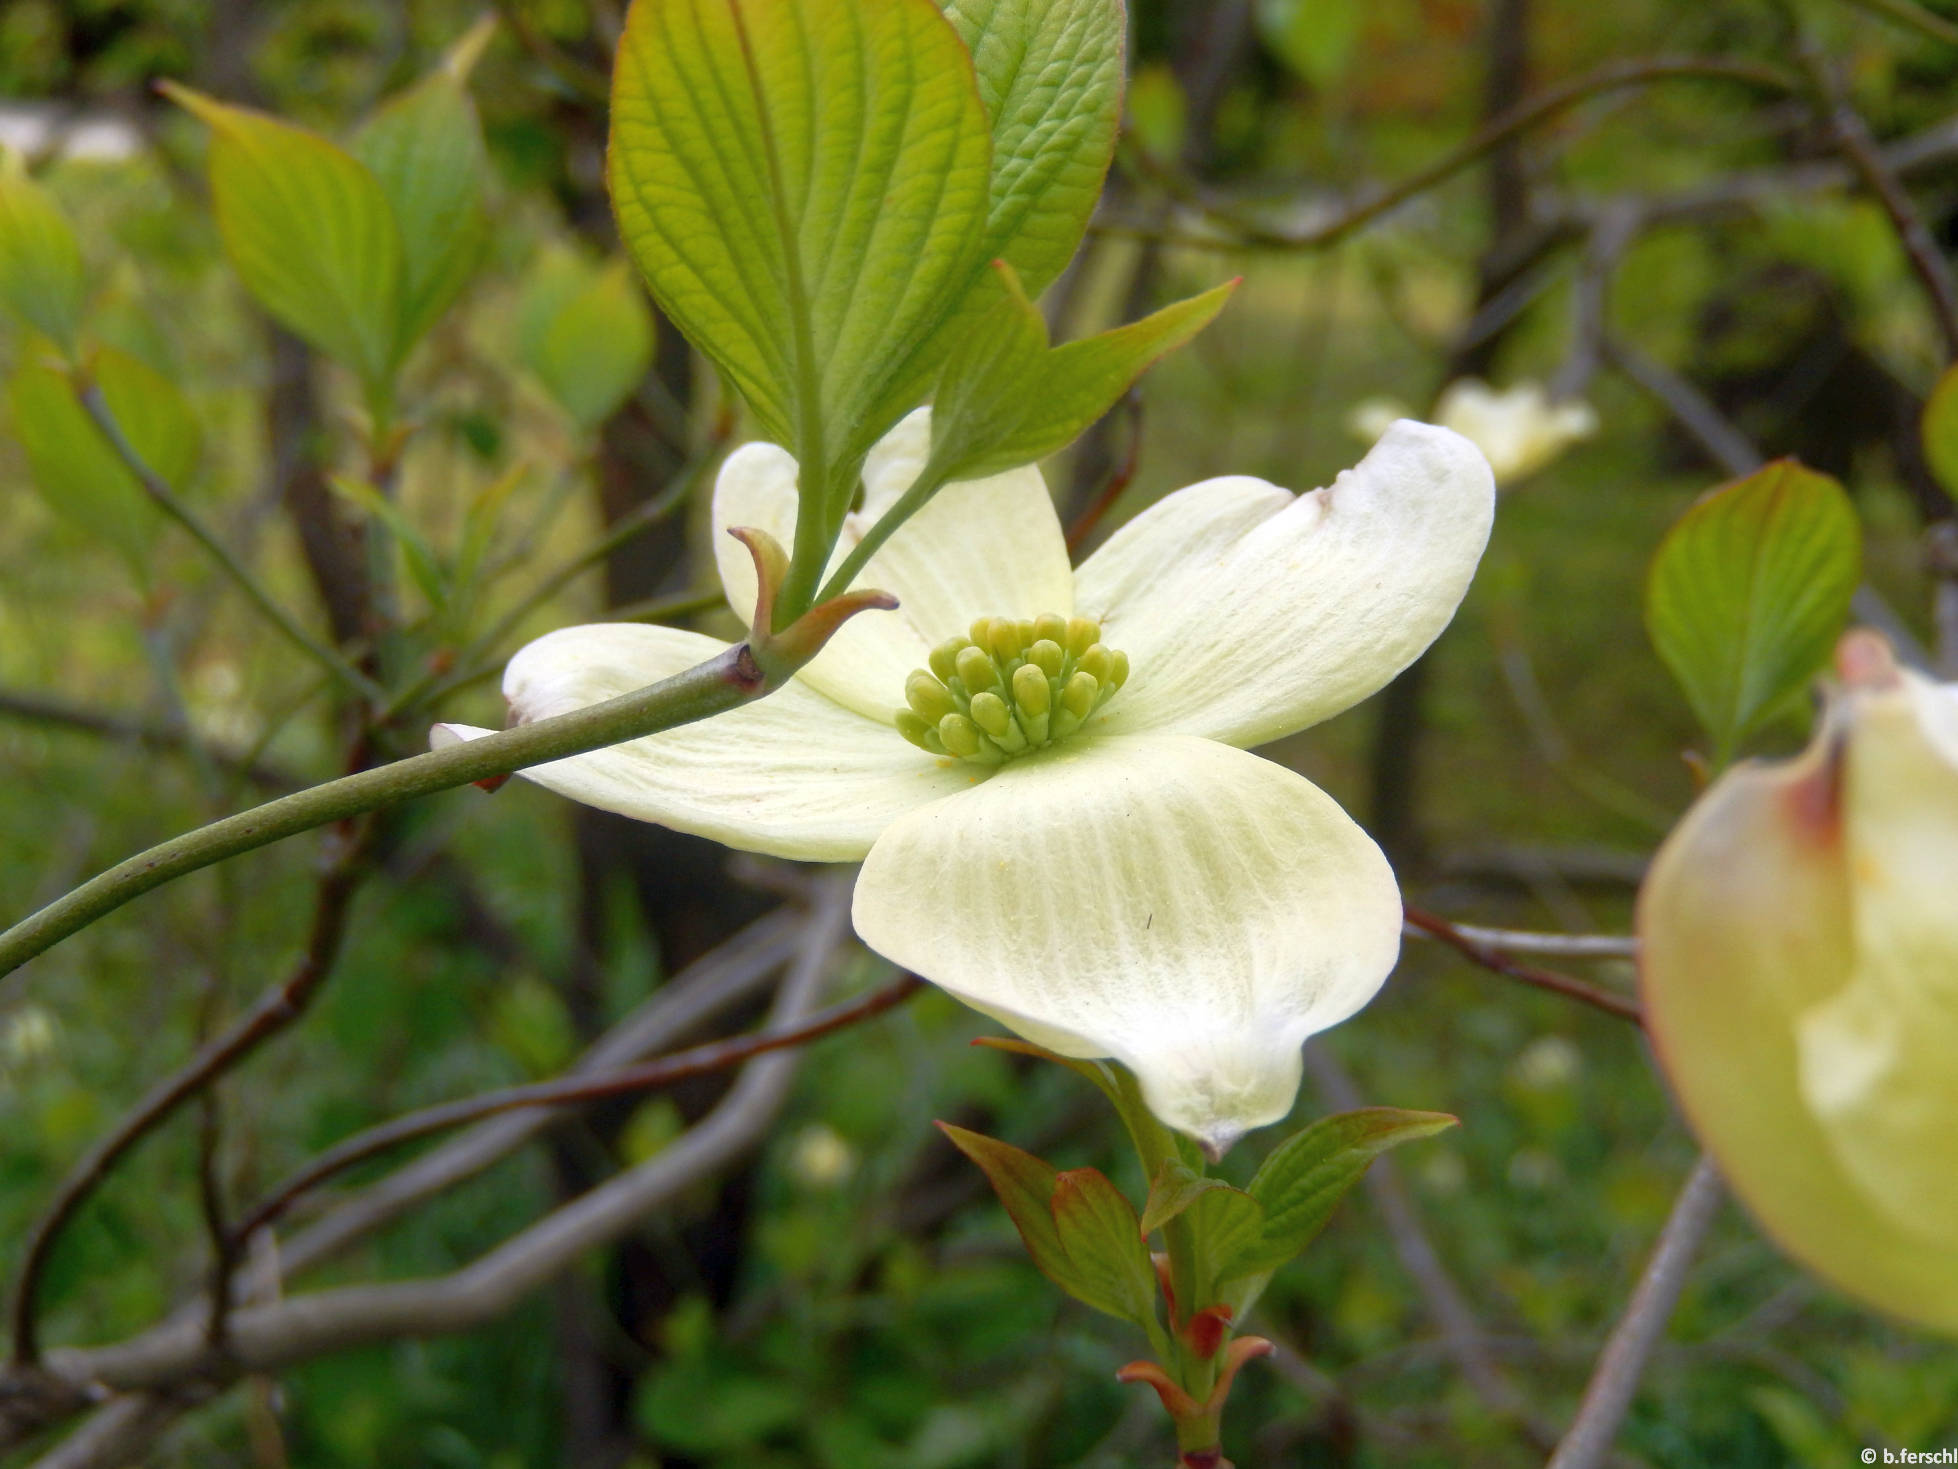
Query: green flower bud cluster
<point x="1010" y="687"/>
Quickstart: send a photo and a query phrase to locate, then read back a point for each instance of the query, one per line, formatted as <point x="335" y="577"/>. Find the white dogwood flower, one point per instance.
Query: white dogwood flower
<point x="1799" y="962"/>
<point x="1518" y="429"/>
<point x="1044" y="770"/>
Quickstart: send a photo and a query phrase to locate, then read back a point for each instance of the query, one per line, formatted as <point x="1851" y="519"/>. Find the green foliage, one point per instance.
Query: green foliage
<point x="585" y="333"/>
<point x="1747" y="594"/>
<point x="1098" y="1230"/>
<point x="310" y="232"/>
<point x="1077" y="1226"/>
<point x="1941" y="431"/>
<point x="78" y="471"/>
<point x="425" y="148"/>
<point x="1303" y="1180"/>
<point x="807" y="273"/>
<point x="40" y="259"/>
<point x="1314" y="37"/>
<point x="1006" y="398"/>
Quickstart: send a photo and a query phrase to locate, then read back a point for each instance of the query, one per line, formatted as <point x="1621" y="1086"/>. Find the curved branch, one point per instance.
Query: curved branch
<point x="271" y="1337"/>
<point x="721" y="683"/>
<point x="566" y="1091"/>
<point x="1498" y="962"/>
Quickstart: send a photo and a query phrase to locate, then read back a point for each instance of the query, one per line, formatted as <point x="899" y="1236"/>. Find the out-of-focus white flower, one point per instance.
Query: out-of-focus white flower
<point x="820" y="1157"/>
<point x="1518" y="429"/>
<point x="27" y="1036"/>
<point x="1799" y="959"/>
<point x="1069" y="837"/>
<point x="1546" y="1064"/>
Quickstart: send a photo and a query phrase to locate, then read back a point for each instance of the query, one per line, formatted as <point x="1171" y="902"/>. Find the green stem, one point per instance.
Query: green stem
<point x="908" y="504"/>
<point x="723" y="682"/>
<point x="166" y="500"/>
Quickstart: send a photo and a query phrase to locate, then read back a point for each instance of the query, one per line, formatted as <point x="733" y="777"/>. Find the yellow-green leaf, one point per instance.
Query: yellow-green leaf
<point x="310" y="232"/>
<point x="76" y="469"/>
<point x="40" y="260"/>
<point x="1748" y="591"/>
<point x="586" y="334"/>
<point x="425" y="149"/>
<point x="804" y="184"/>
<point x="1941" y="431"/>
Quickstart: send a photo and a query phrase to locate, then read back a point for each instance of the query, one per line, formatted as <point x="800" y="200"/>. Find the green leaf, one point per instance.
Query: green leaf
<point x="1174" y="1189"/>
<point x="76" y="468"/>
<point x="586" y="334"/>
<point x="310" y="232"/>
<point x="1313" y="37"/>
<point x="804" y="185"/>
<point x="40" y="259"/>
<point x="425" y="149"/>
<point x="1050" y="75"/>
<point x="1941" y="431"/>
<point x="1303" y="1180"/>
<point x="1025" y="1185"/>
<point x="1097" y="1228"/>
<point x="1007" y="399"/>
<point x="1748" y="592"/>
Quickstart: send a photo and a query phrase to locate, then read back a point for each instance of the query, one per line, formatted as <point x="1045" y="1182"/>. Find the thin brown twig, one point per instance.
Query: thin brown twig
<point x="1527" y="114"/>
<point x="275" y="1009"/>
<point x="1498" y="962"/>
<point x="35" y="708"/>
<point x="714" y="1056"/>
<point x="1859" y="150"/>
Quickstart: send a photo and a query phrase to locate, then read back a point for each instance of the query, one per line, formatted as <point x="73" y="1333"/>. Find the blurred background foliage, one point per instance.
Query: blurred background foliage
<point x="853" y="1297"/>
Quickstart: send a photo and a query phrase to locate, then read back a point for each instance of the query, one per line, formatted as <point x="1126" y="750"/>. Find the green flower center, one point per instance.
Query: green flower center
<point x="1009" y="688"/>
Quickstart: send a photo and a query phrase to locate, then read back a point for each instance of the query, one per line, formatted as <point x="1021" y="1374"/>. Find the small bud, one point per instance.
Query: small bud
<point x="990" y="713"/>
<point x="976" y="671"/>
<point x="1004" y="640"/>
<point x="1096" y="661"/>
<point x="1082" y="634"/>
<point x="1031" y="693"/>
<point x="929" y="698"/>
<point x="924" y="736"/>
<point x="1118" y="669"/>
<point x="1048" y="655"/>
<point x="945" y="659"/>
<point x="981" y="632"/>
<point x="960" y="736"/>
<point x="1083" y="691"/>
<point x="1050" y="628"/>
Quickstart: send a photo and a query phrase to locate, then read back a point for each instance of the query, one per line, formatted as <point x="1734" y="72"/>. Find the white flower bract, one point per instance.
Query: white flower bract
<point x="1518" y="428"/>
<point x="1143" y="890"/>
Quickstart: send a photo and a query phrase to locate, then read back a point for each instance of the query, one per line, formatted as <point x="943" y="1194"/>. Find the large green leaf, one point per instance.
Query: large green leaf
<point x="1025" y="1185"/>
<point x="1302" y="1182"/>
<point x="1748" y="592"/>
<point x="1097" y="1228"/>
<point x="40" y="261"/>
<point x="310" y="232"/>
<point x="79" y="472"/>
<point x="425" y="148"/>
<point x="804" y="184"/>
<point x="1050" y="74"/>
<point x="586" y="333"/>
<point x="1941" y="431"/>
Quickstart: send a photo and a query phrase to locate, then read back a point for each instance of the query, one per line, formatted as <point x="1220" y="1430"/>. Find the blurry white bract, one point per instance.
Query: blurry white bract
<point x="1107" y="874"/>
<point x="1518" y="429"/>
<point x="1799" y="936"/>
